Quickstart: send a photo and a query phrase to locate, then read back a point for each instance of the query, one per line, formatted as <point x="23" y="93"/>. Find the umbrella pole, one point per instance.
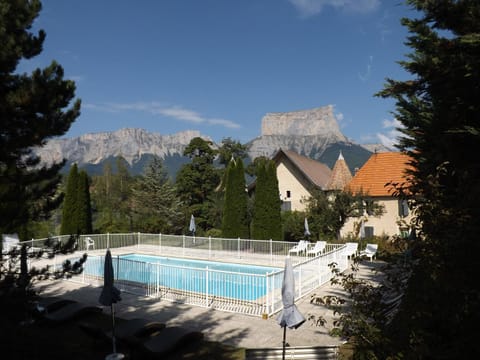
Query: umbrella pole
<point x="284" y="341"/>
<point x="113" y="330"/>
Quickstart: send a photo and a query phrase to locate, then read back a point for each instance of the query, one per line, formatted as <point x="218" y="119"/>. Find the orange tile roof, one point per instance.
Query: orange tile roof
<point x="380" y="169"/>
<point x="316" y="172"/>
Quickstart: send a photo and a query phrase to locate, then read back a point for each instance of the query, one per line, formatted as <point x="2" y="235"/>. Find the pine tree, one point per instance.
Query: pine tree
<point x="197" y="181"/>
<point x="155" y="202"/>
<point x="111" y="198"/>
<point x="235" y="214"/>
<point x="440" y="111"/>
<point x="33" y="109"/>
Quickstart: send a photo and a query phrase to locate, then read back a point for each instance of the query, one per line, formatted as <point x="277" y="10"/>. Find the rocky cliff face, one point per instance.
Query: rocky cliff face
<point x="129" y="143"/>
<point x="313" y="122"/>
<point x="306" y="132"/>
<point x="314" y="133"/>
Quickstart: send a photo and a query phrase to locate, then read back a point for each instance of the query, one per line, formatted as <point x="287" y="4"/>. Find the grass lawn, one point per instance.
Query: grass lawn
<point x="40" y="340"/>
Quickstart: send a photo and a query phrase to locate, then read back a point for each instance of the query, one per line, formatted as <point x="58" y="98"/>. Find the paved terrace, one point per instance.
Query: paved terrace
<point x="229" y="328"/>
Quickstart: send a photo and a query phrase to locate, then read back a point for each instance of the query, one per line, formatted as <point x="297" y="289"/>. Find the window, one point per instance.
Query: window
<point x="286" y="206"/>
<point x="403" y="208"/>
<point x="288" y="194"/>
<point x="369" y="232"/>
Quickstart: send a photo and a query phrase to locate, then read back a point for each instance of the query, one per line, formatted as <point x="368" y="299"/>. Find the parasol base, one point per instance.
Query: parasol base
<point x="115" y="356"/>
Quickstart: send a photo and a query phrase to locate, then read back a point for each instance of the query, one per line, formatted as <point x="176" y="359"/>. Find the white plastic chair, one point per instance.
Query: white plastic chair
<point x="370" y="251"/>
<point x="301" y="246"/>
<point x="318" y="248"/>
<point x="351" y="249"/>
<point x="89" y="243"/>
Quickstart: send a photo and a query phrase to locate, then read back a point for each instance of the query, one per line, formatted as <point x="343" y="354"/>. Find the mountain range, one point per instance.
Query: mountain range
<point x="314" y="133"/>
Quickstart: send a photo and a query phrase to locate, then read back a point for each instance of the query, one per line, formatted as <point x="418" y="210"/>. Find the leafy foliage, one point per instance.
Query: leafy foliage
<point x="328" y="212"/>
<point x="231" y="149"/>
<point x="293" y="225"/>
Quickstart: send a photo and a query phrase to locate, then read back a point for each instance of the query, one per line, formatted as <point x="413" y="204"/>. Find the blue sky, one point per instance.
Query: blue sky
<point x="218" y="66"/>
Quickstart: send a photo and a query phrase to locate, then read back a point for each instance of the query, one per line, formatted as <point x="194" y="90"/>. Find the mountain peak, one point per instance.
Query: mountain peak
<point x="130" y="143"/>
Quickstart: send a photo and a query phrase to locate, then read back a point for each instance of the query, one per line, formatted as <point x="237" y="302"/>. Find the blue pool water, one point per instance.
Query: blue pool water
<point x="238" y="281"/>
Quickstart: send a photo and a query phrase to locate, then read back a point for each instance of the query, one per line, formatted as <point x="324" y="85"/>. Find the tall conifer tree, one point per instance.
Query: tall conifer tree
<point x="33" y="109"/>
<point x="235" y="214"/>
<point x="84" y="207"/>
<point x="70" y="207"/>
<point x="266" y="222"/>
<point x="439" y="109"/>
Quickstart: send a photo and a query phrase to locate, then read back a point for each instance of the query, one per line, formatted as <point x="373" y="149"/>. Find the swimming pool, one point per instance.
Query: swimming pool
<point x="230" y="280"/>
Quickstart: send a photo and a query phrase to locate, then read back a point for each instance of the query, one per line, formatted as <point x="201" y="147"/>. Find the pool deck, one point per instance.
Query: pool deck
<point x="229" y="328"/>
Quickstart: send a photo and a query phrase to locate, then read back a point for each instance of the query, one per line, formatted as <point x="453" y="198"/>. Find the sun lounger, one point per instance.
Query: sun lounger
<point x="301" y="247"/>
<point x="351" y="249"/>
<point x="71" y="311"/>
<point x="133" y="330"/>
<point x="49" y="304"/>
<point x="370" y="251"/>
<point x="318" y="248"/>
<point x="170" y="339"/>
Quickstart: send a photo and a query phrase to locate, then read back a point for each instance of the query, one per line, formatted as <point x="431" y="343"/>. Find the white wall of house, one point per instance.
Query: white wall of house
<point x="388" y="224"/>
<point x="291" y="190"/>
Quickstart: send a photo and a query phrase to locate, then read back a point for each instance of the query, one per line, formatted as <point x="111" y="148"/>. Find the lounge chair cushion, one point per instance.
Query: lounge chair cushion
<point x="71" y="311"/>
<point x="137" y="327"/>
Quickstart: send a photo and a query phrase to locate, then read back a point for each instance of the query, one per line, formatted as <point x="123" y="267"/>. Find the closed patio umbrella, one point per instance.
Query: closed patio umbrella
<point x="109" y="296"/>
<point x="362" y="229"/>
<point x="307" y="230"/>
<point x="290" y="316"/>
<point x="192" y="227"/>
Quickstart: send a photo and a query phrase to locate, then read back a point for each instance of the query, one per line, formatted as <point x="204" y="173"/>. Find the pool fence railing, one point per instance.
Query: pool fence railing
<point x="252" y="294"/>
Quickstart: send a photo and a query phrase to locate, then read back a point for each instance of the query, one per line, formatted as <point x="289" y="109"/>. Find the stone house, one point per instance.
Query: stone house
<point x="297" y="176"/>
<point x="372" y="179"/>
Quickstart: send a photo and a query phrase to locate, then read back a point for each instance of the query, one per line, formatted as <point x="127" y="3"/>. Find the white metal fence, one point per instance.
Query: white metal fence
<point x="257" y="295"/>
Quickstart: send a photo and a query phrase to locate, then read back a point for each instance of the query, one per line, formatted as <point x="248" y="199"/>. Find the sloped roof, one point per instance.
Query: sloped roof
<point x="341" y="175"/>
<point x="315" y="172"/>
<point x="380" y="169"/>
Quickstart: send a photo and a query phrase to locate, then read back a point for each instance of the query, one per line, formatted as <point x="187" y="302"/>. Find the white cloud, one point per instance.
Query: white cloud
<point x="365" y="76"/>
<point x="225" y="123"/>
<point x="179" y="113"/>
<point x="383" y="26"/>
<point x="308" y="8"/>
<point x="390" y="138"/>
<point x="157" y="108"/>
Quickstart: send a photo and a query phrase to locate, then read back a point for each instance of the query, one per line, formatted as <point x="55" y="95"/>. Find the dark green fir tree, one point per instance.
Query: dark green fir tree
<point x="235" y="214"/>
<point x="267" y="222"/>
